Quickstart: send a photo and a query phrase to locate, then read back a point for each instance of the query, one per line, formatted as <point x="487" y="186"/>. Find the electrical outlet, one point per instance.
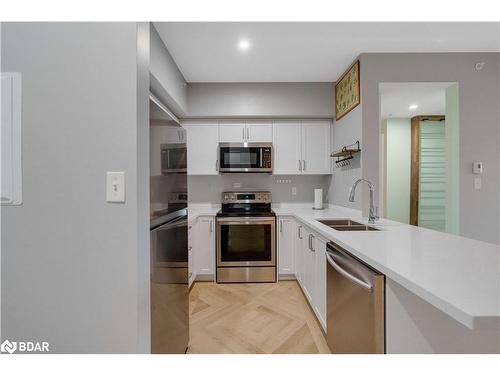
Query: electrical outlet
<point x="477" y="183"/>
<point x="294" y="190"/>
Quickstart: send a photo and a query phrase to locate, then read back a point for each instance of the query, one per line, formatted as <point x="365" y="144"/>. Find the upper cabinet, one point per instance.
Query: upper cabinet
<point x="245" y="131"/>
<point x="301" y="147"/>
<point x="259" y="131"/>
<point x="202" y="145"/>
<point x="232" y="132"/>
<point x="316" y="147"/>
<point x="287" y="147"/>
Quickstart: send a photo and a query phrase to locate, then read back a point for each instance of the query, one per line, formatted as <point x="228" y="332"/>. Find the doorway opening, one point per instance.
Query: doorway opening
<point x="419" y="156"/>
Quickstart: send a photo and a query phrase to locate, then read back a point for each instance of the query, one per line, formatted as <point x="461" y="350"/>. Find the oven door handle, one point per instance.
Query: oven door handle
<point x="244" y="220"/>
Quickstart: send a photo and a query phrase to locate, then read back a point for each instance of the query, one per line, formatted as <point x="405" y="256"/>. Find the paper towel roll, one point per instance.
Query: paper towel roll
<point x="318" y="198"/>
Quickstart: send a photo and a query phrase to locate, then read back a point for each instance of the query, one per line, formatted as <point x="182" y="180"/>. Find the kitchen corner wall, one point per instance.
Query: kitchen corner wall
<point x="208" y="189"/>
<point x="479" y="98"/>
<point x="345" y="132"/>
<point x="75" y="269"/>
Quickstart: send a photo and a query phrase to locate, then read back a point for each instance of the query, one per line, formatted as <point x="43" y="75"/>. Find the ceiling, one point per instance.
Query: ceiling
<point x="396" y="98"/>
<point x="307" y="51"/>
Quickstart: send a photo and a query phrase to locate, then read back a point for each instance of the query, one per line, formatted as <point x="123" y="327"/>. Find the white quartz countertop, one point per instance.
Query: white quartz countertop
<point x="457" y="275"/>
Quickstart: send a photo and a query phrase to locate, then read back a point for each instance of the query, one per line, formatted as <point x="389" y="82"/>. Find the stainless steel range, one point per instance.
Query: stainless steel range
<point x="246" y="238"/>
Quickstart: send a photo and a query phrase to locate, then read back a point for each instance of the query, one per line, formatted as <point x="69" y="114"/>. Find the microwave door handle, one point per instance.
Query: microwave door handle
<point x="260" y="165"/>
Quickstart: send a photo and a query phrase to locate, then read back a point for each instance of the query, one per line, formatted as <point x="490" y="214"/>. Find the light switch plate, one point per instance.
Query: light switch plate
<point x="115" y="187"/>
<point x="477" y="167"/>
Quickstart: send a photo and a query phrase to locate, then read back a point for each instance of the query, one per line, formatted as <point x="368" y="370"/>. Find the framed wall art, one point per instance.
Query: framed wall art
<point x="347" y="91"/>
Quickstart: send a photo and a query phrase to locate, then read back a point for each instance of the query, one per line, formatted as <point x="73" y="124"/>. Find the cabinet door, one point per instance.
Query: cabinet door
<point x="232" y="132"/>
<point x="202" y="143"/>
<point x="287" y="148"/>
<point x="316" y="147"/>
<point x="308" y="261"/>
<point x="319" y="245"/>
<point x="286" y="248"/>
<point x="259" y="131"/>
<point x="203" y="253"/>
<point x="299" y="250"/>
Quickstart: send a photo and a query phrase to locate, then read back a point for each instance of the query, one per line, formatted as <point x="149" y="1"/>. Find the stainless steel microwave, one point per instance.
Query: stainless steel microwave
<point x="245" y="157"/>
<point x="173" y="158"/>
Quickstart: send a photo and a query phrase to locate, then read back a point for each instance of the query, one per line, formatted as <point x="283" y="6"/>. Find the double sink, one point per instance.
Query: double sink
<point x="347" y="225"/>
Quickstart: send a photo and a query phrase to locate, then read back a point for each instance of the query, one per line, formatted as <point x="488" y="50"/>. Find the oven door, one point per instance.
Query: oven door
<point x="246" y="241"/>
<point x="169" y="244"/>
<point x="236" y="157"/>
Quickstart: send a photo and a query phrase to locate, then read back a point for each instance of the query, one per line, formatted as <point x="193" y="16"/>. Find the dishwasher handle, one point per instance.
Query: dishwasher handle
<point x="347" y="275"/>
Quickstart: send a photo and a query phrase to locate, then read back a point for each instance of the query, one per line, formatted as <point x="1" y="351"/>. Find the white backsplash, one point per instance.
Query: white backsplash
<point x="208" y="189"/>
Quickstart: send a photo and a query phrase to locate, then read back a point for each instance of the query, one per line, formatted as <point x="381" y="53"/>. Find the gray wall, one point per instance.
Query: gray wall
<point x="479" y="99"/>
<point x="310" y="100"/>
<point x="344" y="132"/>
<point x="73" y="266"/>
<point x="167" y="81"/>
<point x="208" y="189"/>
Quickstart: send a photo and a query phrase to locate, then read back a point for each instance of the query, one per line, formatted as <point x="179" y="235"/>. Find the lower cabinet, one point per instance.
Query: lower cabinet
<point x="203" y="248"/>
<point x="286" y="247"/>
<point x="319" y="245"/>
<point x="301" y="251"/>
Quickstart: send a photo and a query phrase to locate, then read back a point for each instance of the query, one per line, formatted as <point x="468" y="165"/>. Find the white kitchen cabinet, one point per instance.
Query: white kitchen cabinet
<point x="202" y="146"/>
<point x="319" y="299"/>
<point x="309" y="266"/>
<point x="286" y="247"/>
<point x="299" y="254"/>
<point x="287" y="148"/>
<point x="259" y="131"/>
<point x="204" y="247"/>
<point x="245" y="131"/>
<point x="301" y="147"/>
<point x="310" y="269"/>
<point x="232" y="132"/>
<point x="316" y="147"/>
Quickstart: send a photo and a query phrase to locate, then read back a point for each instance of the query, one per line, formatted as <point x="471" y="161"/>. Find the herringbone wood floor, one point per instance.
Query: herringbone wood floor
<point x="252" y="318"/>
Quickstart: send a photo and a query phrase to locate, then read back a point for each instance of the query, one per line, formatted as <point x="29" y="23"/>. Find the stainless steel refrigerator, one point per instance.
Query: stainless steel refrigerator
<point x="169" y="232"/>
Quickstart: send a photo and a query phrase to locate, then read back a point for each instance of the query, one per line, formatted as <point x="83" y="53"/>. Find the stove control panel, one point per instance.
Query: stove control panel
<point x="246" y="197"/>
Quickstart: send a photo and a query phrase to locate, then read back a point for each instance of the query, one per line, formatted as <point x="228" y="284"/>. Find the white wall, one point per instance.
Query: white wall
<point x="398" y="158"/>
<point x="288" y="100"/>
<point x="75" y="269"/>
<point x="167" y="81"/>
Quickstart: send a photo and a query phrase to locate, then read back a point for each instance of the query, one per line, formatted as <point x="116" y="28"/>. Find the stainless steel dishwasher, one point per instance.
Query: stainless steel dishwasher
<point x="355" y="304"/>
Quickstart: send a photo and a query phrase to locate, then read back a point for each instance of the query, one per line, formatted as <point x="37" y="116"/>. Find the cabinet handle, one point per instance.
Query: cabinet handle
<point x="216" y="165"/>
<point x="281" y="226"/>
<point x="248" y="134"/>
<point x="312" y="246"/>
<point x="299" y="229"/>
<point x="300" y="166"/>
<point x="211" y="229"/>
<point x="243" y="133"/>
<point x="304" y="165"/>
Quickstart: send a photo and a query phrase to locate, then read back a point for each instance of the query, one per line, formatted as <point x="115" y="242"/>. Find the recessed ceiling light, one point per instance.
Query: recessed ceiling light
<point x="244" y="45"/>
<point x="413" y="106"/>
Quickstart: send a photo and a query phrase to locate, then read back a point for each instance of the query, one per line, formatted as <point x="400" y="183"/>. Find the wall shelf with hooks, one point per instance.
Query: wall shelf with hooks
<point x="345" y="155"/>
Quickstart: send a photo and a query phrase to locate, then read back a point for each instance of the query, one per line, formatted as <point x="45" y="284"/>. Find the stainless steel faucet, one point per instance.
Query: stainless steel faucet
<point x="372" y="217"/>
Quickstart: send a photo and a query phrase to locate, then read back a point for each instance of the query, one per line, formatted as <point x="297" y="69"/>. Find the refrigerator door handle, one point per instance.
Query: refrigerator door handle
<point x="347" y="275"/>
